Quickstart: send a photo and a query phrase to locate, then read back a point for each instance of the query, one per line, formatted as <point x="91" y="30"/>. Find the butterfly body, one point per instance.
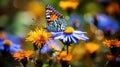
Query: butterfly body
<point x="55" y="21"/>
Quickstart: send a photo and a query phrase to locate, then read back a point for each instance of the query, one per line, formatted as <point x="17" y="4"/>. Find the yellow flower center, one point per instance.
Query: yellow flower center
<point x="69" y="30"/>
<point x="7" y="42"/>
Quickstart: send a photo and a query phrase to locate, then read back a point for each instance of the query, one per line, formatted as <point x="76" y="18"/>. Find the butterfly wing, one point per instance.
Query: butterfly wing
<point x="55" y="21"/>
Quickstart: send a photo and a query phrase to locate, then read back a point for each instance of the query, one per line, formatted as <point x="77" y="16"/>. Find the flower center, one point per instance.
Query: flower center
<point x="69" y="30"/>
<point x="7" y="42"/>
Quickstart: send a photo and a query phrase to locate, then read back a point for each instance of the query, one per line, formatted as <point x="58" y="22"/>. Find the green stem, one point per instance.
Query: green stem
<point x="106" y="63"/>
<point x="40" y="51"/>
<point x="67" y="50"/>
<point x="39" y="55"/>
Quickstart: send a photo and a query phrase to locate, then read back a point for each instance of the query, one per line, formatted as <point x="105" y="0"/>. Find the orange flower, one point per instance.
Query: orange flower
<point x="92" y="47"/>
<point x="2" y="35"/>
<point x="36" y="8"/>
<point x="21" y="55"/>
<point x="18" y="55"/>
<point x="67" y="58"/>
<point x="39" y="37"/>
<point x="111" y="57"/>
<point x="113" y="8"/>
<point x="58" y="58"/>
<point x="112" y="43"/>
<point x="29" y="54"/>
<point x="62" y="55"/>
<point x="69" y="4"/>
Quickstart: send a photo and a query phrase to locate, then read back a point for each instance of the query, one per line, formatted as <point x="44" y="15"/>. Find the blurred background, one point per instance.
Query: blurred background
<point x="99" y="18"/>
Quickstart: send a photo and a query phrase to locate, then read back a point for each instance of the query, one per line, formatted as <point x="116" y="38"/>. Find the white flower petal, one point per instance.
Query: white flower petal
<point x="65" y="38"/>
<point x="79" y="32"/>
<point x="54" y="33"/>
<point x="80" y="37"/>
<point x="83" y="36"/>
<point x="69" y="38"/>
<point x="74" y="40"/>
<point x="59" y="37"/>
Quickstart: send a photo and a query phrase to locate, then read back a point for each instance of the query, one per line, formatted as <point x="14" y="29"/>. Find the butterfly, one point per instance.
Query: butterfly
<point x="55" y="20"/>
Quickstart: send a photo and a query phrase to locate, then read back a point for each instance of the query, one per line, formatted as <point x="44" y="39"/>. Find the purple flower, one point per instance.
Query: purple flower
<point x="70" y="36"/>
<point x="11" y="48"/>
<point x="51" y="44"/>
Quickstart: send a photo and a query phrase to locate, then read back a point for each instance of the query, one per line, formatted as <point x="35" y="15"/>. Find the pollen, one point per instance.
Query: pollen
<point x="7" y="42"/>
<point x="69" y="30"/>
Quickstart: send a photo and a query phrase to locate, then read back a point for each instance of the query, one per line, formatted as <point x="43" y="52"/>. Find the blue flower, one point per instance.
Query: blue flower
<point x="15" y="48"/>
<point x="105" y="23"/>
<point x="1" y="44"/>
<point x="11" y="48"/>
<point x="45" y="49"/>
<point x="70" y="36"/>
<point x="118" y="59"/>
<point x="12" y="43"/>
<point x="51" y="44"/>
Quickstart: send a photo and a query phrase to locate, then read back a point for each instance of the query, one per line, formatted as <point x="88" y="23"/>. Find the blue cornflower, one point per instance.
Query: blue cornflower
<point x="15" y="48"/>
<point x="70" y="36"/>
<point x="118" y="59"/>
<point x="1" y="44"/>
<point x="7" y="45"/>
<point x="105" y="23"/>
<point x="51" y="44"/>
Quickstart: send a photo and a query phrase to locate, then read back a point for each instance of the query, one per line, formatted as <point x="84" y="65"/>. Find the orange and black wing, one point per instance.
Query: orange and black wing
<point x="54" y="19"/>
